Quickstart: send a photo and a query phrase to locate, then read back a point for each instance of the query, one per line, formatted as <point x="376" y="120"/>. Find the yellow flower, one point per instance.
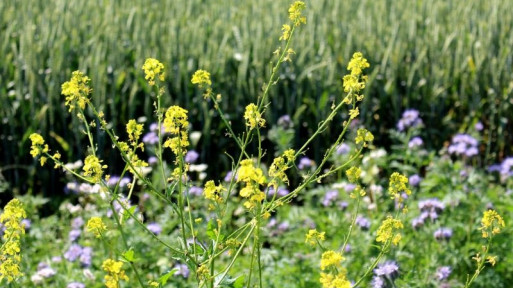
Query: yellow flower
<point x="286" y="32"/>
<point x="491" y="222"/>
<point x="134" y="131"/>
<point x="313" y="236"/>
<point x="201" y="78"/>
<point x="397" y="184"/>
<point x="278" y="168"/>
<point x="76" y="90"/>
<point x="353" y="113"/>
<point x="387" y="229"/>
<point x="253" y="117"/>
<point x="213" y="192"/>
<point x="362" y="135"/>
<point x="38" y="145"/>
<point x="153" y="68"/>
<point x="357" y="64"/>
<point x="355" y="81"/>
<point x="175" y="122"/>
<point x="93" y="168"/>
<point x="330" y="258"/>
<point x="492" y="260"/>
<point x="96" y="225"/>
<point x="353" y="174"/>
<point x="334" y="281"/>
<point x="10" y="257"/>
<point x="295" y="13"/>
<point x="115" y="273"/>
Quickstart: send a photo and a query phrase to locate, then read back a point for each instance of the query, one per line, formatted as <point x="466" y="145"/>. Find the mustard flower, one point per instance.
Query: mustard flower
<point x="278" y="168"/>
<point x="153" y="68"/>
<point x="96" y="225"/>
<point x="286" y="32"/>
<point x="295" y="13"/>
<point x="249" y="173"/>
<point x="387" y="230"/>
<point x="201" y="78"/>
<point x="355" y="82"/>
<point x="492" y="260"/>
<point x="492" y="223"/>
<point x="76" y="90"/>
<point x="115" y="273"/>
<point x="213" y="192"/>
<point x="175" y="122"/>
<point x="38" y="147"/>
<point x="313" y="236"/>
<point x="253" y="117"/>
<point x="134" y="131"/>
<point x="353" y="113"/>
<point x="362" y="135"/>
<point x="397" y="184"/>
<point x="353" y="174"/>
<point x="10" y="256"/>
<point x="93" y="168"/>
<point x="334" y="281"/>
<point x="331" y="259"/>
<point x="357" y="64"/>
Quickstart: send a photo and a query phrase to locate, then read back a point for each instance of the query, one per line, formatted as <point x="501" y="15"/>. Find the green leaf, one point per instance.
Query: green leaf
<point x="129" y="255"/>
<point x="163" y="279"/>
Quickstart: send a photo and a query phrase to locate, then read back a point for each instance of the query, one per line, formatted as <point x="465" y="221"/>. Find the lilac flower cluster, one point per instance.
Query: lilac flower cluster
<point x="305" y="162"/>
<point x="385" y="274"/>
<point x="191" y="156"/>
<point x="152" y="137"/>
<point x="43" y="271"/>
<point x="285" y="121"/>
<point x="281" y="192"/>
<point x="443" y="272"/>
<point x="329" y="198"/>
<point x="343" y="149"/>
<point x="415" y="142"/>
<point x="83" y="254"/>
<point x="363" y="222"/>
<point x="414" y="180"/>
<point x="114" y="179"/>
<point x="76" y="285"/>
<point x="443" y="233"/>
<point x="277" y="228"/>
<point x="196" y="191"/>
<point x="463" y="145"/>
<point x="183" y="270"/>
<point x="155" y="228"/>
<point x="506" y="168"/>
<point x="409" y="119"/>
<point x="429" y="208"/>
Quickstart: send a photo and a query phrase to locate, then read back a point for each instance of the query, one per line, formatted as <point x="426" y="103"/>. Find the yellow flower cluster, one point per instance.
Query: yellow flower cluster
<point x="363" y="135"/>
<point x="286" y="32"/>
<point x="397" y="184"/>
<point x="213" y="192"/>
<point x="492" y="223"/>
<point x="353" y="174"/>
<point x="253" y="117"/>
<point x="335" y="281"/>
<point x="279" y="166"/>
<point x="295" y="13"/>
<point x="314" y="236"/>
<point x="96" y="225"/>
<point x="201" y="78"/>
<point x="76" y="90"/>
<point x="10" y="256"/>
<point x="388" y="230"/>
<point x="175" y="122"/>
<point x="134" y="131"/>
<point x="38" y="147"/>
<point x="153" y="68"/>
<point x="93" y="168"/>
<point x="252" y="177"/>
<point x="331" y="259"/>
<point x="355" y="81"/>
<point x="115" y="273"/>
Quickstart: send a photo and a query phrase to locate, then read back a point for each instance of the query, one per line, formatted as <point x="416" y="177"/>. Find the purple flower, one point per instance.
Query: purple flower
<point x="479" y="126"/>
<point x="74" y="234"/>
<point x="430" y="205"/>
<point x="389" y="270"/>
<point x="362" y="222"/>
<point x="409" y="119"/>
<point x="443" y="233"/>
<point x="305" y="162"/>
<point x="343" y="149"/>
<point x="113" y="181"/>
<point x="506" y="169"/>
<point x="329" y="198"/>
<point x="463" y="145"/>
<point x="414" y="180"/>
<point x="57" y="259"/>
<point x="183" y="270"/>
<point x="76" y="285"/>
<point x="285" y="122"/>
<point x="73" y="252"/>
<point x="191" y="156"/>
<point x="415" y="142"/>
<point x="343" y="205"/>
<point x="46" y="272"/>
<point x="26" y="223"/>
<point x="196" y="191"/>
<point x="349" y="187"/>
<point x="77" y="223"/>
<point x="86" y="256"/>
<point x="152" y="160"/>
<point x="377" y="282"/>
<point x="155" y="228"/>
<point x="284" y="226"/>
<point x="228" y="176"/>
<point x="348" y="248"/>
<point x="443" y="272"/>
<point x="281" y="191"/>
<point x="150" y="138"/>
<point x="417" y="222"/>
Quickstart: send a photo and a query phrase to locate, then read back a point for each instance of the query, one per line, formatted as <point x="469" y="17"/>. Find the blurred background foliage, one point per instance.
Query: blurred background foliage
<point x="451" y="60"/>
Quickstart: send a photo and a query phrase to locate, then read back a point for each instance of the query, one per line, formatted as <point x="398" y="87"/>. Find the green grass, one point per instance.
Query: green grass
<point x="452" y="60"/>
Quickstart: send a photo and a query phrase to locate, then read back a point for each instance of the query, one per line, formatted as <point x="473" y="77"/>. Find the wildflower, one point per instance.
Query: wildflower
<point x="253" y="117"/>
<point x="463" y="145"/>
<point x="195" y="190"/>
<point x="191" y="156"/>
<point x="280" y="192"/>
<point x="479" y="126"/>
<point x="443" y="233"/>
<point x="10" y="256"/>
<point x="329" y="197"/>
<point x="397" y="184"/>
<point x="387" y="231"/>
<point x="443" y="273"/>
<point x="134" y="131"/>
<point x="362" y="135"/>
<point x="339" y="280"/>
<point x="409" y="119"/>
<point x="86" y="256"/>
<point x="74" y="234"/>
<point x="414" y="180"/>
<point x="362" y="222"/>
<point x="37" y="147"/>
<point x="213" y="192"/>
<point x="354" y="82"/>
<point x="76" y="285"/>
<point x="153" y="68"/>
<point x="415" y="142"/>
<point x="73" y="253"/>
<point x="286" y="32"/>
<point x="388" y="270"/>
<point x="491" y="222"/>
<point x="314" y="236"/>
<point x="285" y="122"/>
<point x="201" y="78"/>
<point x="506" y="168"/>
<point x="279" y="166"/>
<point x="93" y="168"/>
<point x="343" y="149"/>
<point x="76" y="90"/>
<point x="295" y="11"/>
<point x="155" y="228"/>
<point x="492" y="260"/>
<point x="331" y="258"/>
<point x="96" y="225"/>
<point x="203" y="272"/>
<point x="353" y="174"/>
<point x="175" y="122"/>
<point x="305" y="162"/>
<point x="115" y="273"/>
